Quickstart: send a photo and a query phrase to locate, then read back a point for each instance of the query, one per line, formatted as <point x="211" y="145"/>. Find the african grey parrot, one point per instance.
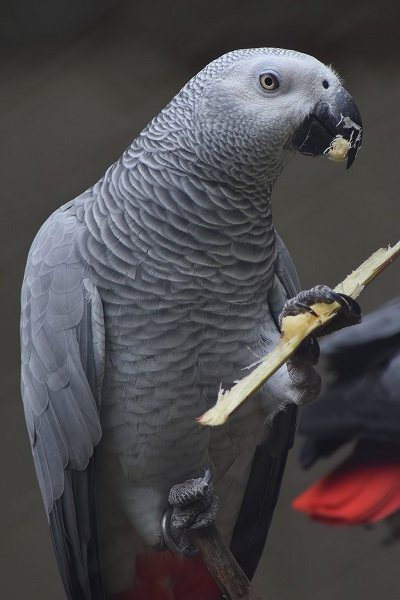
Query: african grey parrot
<point x="361" y="405"/>
<point x="146" y="293"/>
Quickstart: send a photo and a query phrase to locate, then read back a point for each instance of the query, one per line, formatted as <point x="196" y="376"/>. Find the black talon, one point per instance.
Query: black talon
<point x="297" y="307"/>
<point x="355" y="308"/>
<point x="166" y="537"/>
<point x="341" y="299"/>
<point x="207" y="475"/>
<point x="352" y="311"/>
<point x="306" y="308"/>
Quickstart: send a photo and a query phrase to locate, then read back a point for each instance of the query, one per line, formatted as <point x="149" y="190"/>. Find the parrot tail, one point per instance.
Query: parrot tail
<point x="364" y="489"/>
<point x="171" y="576"/>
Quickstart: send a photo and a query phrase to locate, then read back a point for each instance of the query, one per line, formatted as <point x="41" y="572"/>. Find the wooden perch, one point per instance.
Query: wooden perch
<point x="295" y="329"/>
<point x="222" y="565"/>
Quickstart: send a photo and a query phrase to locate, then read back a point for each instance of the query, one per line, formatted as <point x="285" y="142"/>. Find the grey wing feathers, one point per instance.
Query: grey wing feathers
<point x="285" y="269"/>
<point x="62" y="335"/>
<point x="262" y="491"/>
<point x="286" y="284"/>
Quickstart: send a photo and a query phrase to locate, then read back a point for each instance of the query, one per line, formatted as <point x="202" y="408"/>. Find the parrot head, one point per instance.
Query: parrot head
<point x="257" y="107"/>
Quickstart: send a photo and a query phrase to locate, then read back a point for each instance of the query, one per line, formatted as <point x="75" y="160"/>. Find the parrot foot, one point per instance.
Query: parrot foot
<point x="193" y="504"/>
<point x="305" y="379"/>
<point x="349" y="313"/>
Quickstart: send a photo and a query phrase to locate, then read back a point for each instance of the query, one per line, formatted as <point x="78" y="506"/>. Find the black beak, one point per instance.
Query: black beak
<point x="326" y="122"/>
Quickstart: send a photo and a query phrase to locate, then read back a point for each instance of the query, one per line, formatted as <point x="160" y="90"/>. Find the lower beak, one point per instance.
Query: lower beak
<point x="328" y="121"/>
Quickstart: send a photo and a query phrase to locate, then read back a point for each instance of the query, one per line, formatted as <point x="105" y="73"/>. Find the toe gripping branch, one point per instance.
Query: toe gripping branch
<point x="193" y="505"/>
<point x="349" y="312"/>
<point x="185" y="529"/>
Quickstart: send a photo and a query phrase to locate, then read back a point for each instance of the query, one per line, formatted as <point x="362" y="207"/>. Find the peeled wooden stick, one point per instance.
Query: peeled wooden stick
<point x="295" y="329"/>
<point x="222" y="564"/>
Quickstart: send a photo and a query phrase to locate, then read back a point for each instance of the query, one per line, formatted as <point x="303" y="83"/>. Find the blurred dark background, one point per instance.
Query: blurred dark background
<point x="79" y="79"/>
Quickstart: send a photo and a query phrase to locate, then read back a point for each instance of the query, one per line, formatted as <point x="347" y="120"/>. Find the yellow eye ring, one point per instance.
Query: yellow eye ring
<point x="269" y="81"/>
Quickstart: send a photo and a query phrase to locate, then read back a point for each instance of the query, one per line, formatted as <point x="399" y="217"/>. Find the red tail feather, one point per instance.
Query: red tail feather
<point x="168" y="576"/>
<point x="359" y="491"/>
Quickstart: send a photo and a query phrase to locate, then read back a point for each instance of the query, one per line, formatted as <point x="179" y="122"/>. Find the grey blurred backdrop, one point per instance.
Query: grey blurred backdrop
<point x="79" y="79"/>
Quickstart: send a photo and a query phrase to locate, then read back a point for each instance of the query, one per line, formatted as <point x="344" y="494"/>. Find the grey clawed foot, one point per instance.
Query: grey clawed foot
<point x="349" y="314"/>
<point x="305" y="379"/>
<point x="193" y="504"/>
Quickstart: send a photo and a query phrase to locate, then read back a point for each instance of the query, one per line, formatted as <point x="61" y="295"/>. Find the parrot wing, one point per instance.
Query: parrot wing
<point x="361" y="405"/>
<point x="262" y="491"/>
<point x="62" y="332"/>
<point x="367" y="345"/>
<point x="362" y="402"/>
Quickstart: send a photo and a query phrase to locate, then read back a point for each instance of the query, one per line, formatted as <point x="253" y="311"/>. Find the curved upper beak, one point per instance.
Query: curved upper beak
<point x="327" y="121"/>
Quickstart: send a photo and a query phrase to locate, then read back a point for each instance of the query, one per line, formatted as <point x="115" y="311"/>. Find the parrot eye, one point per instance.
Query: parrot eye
<point x="269" y="81"/>
<point x="325" y="84"/>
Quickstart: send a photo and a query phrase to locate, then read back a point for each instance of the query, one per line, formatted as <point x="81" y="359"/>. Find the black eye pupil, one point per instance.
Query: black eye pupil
<point x="269" y="81"/>
<point x="325" y="83"/>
